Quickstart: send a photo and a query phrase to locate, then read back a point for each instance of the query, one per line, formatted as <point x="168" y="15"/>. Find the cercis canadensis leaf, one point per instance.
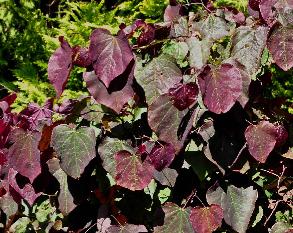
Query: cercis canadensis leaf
<point x="280" y="45"/>
<point x="75" y="147"/>
<point x="161" y="155"/>
<point x="110" y="54"/>
<point x="184" y="95"/>
<point x="107" y="150"/>
<point x="247" y="46"/>
<point x="176" y="220"/>
<point x="261" y="140"/>
<point x="220" y="87"/>
<point x="165" y="120"/>
<point x="157" y="76"/>
<point x="60" y="65"/>
<point x="206" y="219"/>
<point x="117" y="98"/>
<point x="131" y="172"/>
<point x="81" y="57"/>
<point x="238" y="205"/>
<point x="127" y="228"/>
<point x="24" y="155"/>
<point x="65" y="198"/>
<point x="27" y="192"/>
<point x="267" y="12"/>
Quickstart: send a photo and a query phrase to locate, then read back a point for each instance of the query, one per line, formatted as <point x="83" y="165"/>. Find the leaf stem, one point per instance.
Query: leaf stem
<point x="239" y="153"/>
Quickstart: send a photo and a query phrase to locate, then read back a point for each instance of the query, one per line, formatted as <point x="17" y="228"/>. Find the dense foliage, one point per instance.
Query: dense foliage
<point x="174" y="135"/>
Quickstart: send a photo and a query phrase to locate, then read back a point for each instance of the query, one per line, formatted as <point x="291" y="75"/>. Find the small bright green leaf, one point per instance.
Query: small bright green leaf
<point x="164" y="195"/>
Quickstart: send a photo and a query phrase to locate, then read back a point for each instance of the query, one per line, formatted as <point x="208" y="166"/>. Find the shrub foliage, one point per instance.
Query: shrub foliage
<point x="174" y="136"/>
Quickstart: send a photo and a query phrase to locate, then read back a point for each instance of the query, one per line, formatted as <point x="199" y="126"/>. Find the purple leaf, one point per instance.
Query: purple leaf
<point x="59" y="66"/>
<point x="27" y="192"/>
<point x="281" y="135"/>
<point x="261" y="140"/>
<point x="267" y="12"/>
<point x="165" y="120"/>
<point x="81" y="57"/>
<point x="24" y="155"/>
<point x="110" y="54"/>
<point x="131" y="172"/>
<point x="206" y="219"/>
<point x="254" y="4"/>
<point x="172" y="13"/>
<point x="280" y="45"/>
<point x="220" y="87"/>
<point x="183" y="95"/>
<point x="116" y="99"/>
<point x="65" y="198"/>
<point x="161" y="156"/>
<point x="6" y="102"/>
<point x="35" y="114"/>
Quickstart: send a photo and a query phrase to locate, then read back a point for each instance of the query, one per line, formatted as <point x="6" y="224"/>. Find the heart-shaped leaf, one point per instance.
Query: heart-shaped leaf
<point x="176" y="220"/>
<point x="261" y="140"/>
<point x="220" y="87"/>
<point x="238" y="205"/>
<point x="280" y="45"/>
<point x="75" y="147"/>
<point x="60" y="65"/>
<point x="131" y="172"/>
<point x="24" y="155"/>
<point x="110" y="54"/>
<point x="165" y="120"/>
<point x="206" y="219"/>
<point x="158" y="76"/>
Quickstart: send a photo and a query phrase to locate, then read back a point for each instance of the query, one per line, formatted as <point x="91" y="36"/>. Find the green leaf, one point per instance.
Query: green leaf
<point x="238" y="205"/>
<point x="164" y="195"/>
<point x="176" y="220"/>
<point x="158" y="76"/>
<point x="177" y="50"/>
<point x="75" y="147"/>
<point x="107" y="150"/>
<point x="199" y="52"/>
<point x="21" y="225"/>
<point x="281" y="227"/>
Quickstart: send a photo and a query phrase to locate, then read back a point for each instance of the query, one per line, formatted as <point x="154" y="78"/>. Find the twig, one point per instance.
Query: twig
<point x="239" y="153"/>
<point x="271" y="214"/>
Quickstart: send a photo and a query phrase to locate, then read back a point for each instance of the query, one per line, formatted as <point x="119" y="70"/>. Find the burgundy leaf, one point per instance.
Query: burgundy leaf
<point x="110" y="55"/>
<point x="280" y="44"/>
<point x="131" y="173"/>
<point x="161" y="156"/>
<point x="281" y="135"/>
<point x="167" y="122"/>
<point x="220" y="87"/>
<point x="267" y="12"/>
<point x="35" y="114"/>
<point x="261" y="140"/>
<point x="27" y="192"/>
<point x="147" y="35"/>
<point x="24" y="155"/>
<point x="114" y="100"/>
<point x="81" y="57"/>
<point x="254" y="4"/>
<point x="60" y="65"/>
<point x="206" y="219"/>
<point x="183" y="95"/>
<point x="6" y="102"/>
<point x="172" y="13"/>
<point x="65" y="198"/>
